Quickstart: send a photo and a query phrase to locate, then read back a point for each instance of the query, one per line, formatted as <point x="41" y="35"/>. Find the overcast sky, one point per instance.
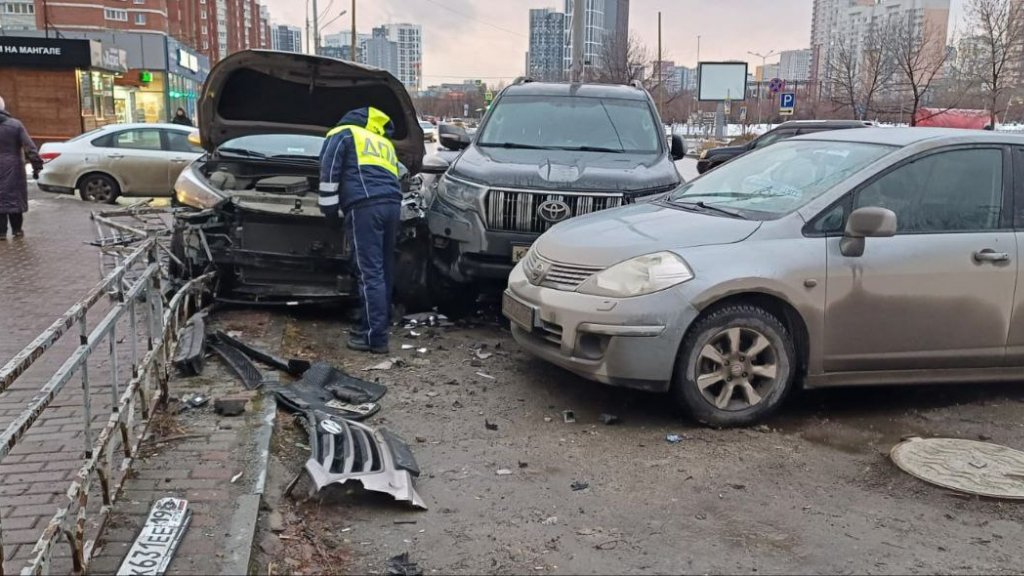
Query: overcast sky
<point x="488" y="38"/>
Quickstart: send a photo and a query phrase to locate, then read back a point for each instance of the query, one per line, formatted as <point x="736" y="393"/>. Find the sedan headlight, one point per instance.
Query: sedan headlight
<point x="639" y="276"/>
<point x="458" y="193"/>
<point x="191" y="191"/>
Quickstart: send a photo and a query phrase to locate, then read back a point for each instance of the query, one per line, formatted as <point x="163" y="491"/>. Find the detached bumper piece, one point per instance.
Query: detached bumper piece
<point x="251" y="377"/>
<point x="326" y="389"/>
<point x="191" y="352"/>
<point x="345" y="451"/>
<point x="292" y="366"/>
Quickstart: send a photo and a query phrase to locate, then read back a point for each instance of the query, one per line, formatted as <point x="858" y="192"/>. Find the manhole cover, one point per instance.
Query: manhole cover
<point x="965" y="465"/>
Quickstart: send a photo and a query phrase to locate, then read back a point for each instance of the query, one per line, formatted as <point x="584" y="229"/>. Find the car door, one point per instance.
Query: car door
<point x="182" y="153"/>
<point x="1015" y="342"/>
<point x="137" y="158"/>
<point x="940" y="292"/>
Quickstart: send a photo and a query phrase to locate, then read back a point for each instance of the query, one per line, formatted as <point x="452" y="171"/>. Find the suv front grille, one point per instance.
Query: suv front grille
<point x="517" y="211"/>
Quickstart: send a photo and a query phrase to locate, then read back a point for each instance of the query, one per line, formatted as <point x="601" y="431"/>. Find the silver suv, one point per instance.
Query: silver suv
<point x="853" y="257"/>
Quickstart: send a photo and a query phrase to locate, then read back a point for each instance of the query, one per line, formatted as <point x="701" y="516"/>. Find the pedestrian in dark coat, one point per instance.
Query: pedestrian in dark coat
<point x="180" y="117"/>
<point x="15" y="148"/>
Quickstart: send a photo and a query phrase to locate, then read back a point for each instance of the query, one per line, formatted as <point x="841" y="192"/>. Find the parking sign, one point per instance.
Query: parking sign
<point x="787" y="100"/>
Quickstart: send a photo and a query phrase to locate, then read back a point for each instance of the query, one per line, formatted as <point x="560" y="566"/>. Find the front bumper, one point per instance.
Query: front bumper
<point x="629" y="342"/>
<point x="467" y="250"/>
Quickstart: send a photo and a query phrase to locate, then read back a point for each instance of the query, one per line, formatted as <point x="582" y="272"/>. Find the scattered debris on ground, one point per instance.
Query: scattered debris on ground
<point x="154" y="548"/>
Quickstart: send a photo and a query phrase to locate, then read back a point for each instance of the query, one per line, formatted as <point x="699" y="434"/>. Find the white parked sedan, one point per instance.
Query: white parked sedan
<point x="118" y="160"/>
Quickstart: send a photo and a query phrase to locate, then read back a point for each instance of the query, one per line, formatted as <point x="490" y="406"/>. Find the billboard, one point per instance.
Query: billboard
<point x="720" y="81"/>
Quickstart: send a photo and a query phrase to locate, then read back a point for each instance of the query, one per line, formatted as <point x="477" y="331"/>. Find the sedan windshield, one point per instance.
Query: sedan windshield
<point x="779" y="179"/>
<point x="572" y="123"/>
<point x="295" y="146"/>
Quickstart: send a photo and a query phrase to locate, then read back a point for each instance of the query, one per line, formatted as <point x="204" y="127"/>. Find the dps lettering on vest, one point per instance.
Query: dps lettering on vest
<point x="371" y="149"/>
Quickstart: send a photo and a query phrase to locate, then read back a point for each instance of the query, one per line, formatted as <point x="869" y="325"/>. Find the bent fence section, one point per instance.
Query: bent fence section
<point x="139" y="328"/>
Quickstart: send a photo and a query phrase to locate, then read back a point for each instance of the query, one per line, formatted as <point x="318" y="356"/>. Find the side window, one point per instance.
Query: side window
<point x="773" y="137"/>
<point x="831" y="221"/>
<point x="106" y="141"/>
<point x="145" y="139"/>
<point x="177" y="141"/>
<point x="955" y="191"/>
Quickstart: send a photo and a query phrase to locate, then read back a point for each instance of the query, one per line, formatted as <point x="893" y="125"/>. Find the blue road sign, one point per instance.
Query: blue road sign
<point x="787" y="100"/>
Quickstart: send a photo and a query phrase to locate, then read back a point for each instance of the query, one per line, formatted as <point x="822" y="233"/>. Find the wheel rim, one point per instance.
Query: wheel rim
<point x="97" y="189"/>
<point x="737" y="368"/>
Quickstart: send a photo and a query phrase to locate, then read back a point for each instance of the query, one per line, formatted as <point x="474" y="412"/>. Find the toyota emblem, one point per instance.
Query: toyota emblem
<point x="553" y="211"/>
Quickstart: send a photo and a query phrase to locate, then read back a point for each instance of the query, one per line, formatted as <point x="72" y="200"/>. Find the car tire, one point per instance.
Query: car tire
<point x="735" y="367"/>
<point x="99" y="188"/>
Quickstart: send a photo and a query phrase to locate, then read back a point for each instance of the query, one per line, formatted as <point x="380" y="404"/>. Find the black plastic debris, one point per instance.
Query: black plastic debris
<point x="251" y="377"/>
<point x="190" y="355"/>
<point x="327" y="389"/>
<point x="578" y="485"/>
<point x="294" y="366"/>
<point x="568" y="416"/>
<point x="401" y="566"/>
<point x="609" y="419"/>
<point x="426" y="319"/>
<point x="490" y="425"/>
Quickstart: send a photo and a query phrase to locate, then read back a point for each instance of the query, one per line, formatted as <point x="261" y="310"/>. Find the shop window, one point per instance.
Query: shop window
<point x="146" y="139"/>
<point x="15" y="8"/>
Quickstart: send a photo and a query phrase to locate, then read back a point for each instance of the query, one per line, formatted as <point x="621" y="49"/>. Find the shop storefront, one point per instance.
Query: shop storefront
<point x="186" y="71"/>
<point x="59" y="87"/>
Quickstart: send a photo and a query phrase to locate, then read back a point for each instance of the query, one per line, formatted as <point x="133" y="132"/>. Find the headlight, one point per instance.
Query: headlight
<point x="703" y="154"/>
<point x="639" y="276"/>
<point x="458" y="193"/>
<point x="189" y="190"/>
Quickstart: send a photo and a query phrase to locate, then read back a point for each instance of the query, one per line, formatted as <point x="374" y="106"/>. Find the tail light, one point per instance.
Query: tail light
<point x="49" y="156"/>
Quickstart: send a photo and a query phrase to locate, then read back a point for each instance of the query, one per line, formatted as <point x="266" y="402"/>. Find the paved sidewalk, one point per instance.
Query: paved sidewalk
<point x="41" y="276"/>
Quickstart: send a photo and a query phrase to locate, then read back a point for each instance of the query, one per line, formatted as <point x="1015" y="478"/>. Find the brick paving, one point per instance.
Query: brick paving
<point x="41" y="276"/>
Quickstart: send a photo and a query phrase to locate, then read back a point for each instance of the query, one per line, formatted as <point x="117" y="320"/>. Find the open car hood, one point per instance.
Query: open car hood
<point x="263" y="91"/>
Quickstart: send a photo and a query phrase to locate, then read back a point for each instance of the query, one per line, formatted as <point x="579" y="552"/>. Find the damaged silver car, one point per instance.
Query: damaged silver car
<point x="248" y="207"/>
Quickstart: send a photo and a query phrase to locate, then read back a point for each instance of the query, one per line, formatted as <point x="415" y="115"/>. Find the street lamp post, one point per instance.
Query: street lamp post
<point x="764" y="58"/>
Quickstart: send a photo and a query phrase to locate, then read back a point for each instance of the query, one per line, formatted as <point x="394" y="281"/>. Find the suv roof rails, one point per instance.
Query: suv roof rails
<point x="637" y="84"/>
<point x="522" y="80"/>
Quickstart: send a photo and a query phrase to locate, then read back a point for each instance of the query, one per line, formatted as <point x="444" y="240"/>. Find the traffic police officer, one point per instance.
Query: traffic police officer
<point x="359" y="178"/>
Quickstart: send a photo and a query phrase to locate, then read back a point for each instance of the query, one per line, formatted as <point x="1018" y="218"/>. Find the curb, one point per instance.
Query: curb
<point x="247" y="507"/>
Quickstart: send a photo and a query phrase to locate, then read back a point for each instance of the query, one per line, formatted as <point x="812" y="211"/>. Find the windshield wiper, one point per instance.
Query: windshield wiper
<point x="701" y="206"/>
<point x="590" y="149"/>
<point x="242" y="152"/>
<point x="515" y="145"/>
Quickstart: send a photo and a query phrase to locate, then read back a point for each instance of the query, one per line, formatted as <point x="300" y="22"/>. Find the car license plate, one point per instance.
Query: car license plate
<point x="154" y="548"/>
<point x="517" y="312"/>
<point x="519" y="252"/>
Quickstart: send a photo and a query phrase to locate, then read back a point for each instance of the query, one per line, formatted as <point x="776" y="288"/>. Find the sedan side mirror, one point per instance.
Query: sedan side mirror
<point x="435" y="164"/>
<point x="678" y="147"/>
<point x="870" y="222"/>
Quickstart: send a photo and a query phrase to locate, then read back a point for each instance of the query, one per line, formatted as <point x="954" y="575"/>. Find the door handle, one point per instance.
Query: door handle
<point x="115" y="156"/>
<point x="990" y="255"/>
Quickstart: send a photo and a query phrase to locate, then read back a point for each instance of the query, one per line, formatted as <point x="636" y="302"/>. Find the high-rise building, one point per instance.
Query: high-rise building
<point x="766" y="73"/>
<point x="685" y="78"/>
<point x="853" y="22"/>
<point x="339" y="45"/>
<point x="545" y="60"/>
<point x="665" y="75"/>
<point x="381" y="52"/>
<point x="606" y="24"/>
<point x="286" y="38"/>
<point x="409" y="38"/>
<point x="795" y="65"/>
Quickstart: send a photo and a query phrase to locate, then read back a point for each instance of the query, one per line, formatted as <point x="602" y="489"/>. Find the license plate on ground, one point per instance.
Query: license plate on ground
<point x="517" y="312"/>
<point x="154" y="548"/>
<point x="519" y="252"/>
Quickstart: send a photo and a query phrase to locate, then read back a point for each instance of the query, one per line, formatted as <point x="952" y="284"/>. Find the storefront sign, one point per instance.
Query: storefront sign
<point x="109" y="58"/>
<point x="45" y="52"/>
<point x="187" y="60"/>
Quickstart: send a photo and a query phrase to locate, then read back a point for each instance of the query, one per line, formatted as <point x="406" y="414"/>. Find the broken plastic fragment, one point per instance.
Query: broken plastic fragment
<point x="482" y="375"/>
<point x="387" y="364"/>
<point x="568" y="416"/>
<point x="673" y="438"/>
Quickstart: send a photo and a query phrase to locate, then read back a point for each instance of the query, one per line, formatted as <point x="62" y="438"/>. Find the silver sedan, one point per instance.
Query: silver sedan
<point x="118" y="160"/>
<point x="856" y="257"/>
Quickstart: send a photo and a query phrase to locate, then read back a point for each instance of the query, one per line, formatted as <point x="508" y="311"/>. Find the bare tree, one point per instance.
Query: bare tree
<point x="621" y="61"/>
<point x="858" y="74"/>
<point x="999" y="25"/>
<point x="919" y="56"/>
